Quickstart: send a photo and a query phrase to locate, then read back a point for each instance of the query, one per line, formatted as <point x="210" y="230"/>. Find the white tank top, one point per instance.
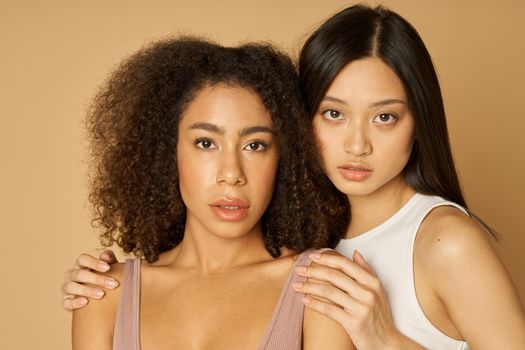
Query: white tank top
<point x="389" y="249"/>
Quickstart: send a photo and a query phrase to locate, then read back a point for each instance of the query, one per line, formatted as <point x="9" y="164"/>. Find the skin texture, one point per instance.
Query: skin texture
<point x="217" y="159"/>
<point x="456" y="268"/>
<point x="452" y="256"/>
<point x="222" y="150"/>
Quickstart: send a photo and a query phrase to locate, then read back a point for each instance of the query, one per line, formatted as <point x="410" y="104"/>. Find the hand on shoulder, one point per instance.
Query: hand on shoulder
<point x="92" y="326"/>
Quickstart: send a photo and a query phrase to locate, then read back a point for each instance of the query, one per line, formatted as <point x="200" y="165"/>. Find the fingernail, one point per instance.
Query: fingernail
<point x="300" y="269"/>
<point x="314" y="256"/>
<point x="297" y="285"/>
<point x="98" y="294"/>
<point x="103" y="267"/>
<point x="306" y="300"/>
<point x="81" y="301"/>
<point x="110" y="284"/>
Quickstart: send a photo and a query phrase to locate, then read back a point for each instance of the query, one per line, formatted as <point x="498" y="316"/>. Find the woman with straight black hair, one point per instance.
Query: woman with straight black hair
<point x="431" y="277"/>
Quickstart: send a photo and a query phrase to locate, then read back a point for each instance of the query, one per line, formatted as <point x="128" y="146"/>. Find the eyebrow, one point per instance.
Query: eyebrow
<point x="372" y="105"/>
<point x="208" y="127"/>
<point x="254" y="130"/>
<point x="218" y="130"/>
<point x="386" y="102"/>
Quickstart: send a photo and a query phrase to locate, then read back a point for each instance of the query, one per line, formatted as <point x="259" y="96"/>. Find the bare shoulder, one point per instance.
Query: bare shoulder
<point x="92" y="325"/>
<point x="455" y="255"/>
<point x="447" y="237"/>
<point x="322" y="332"/>
<point x="319" y="330"/>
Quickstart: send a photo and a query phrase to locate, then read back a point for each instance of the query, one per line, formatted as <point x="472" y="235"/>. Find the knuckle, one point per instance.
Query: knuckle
<point x="375" y="284"/>
<point x="85" y="260"/>
<point x="326" y="290"/>
<point x="369" y="298"/>
<point x="99" y="280"/>
<point x="74" y="275"/>
<point x="82" y="276"/>
<point x="68" y="288"/>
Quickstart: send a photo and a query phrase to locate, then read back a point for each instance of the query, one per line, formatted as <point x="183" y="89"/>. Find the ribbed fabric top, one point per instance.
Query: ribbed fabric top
<point x="283" y="332"/>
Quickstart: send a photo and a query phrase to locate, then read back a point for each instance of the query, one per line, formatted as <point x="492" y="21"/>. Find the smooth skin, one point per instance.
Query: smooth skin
<point x="365" y="120"/>
<point x="200" y="294"/>
<point x="461" y="284"/>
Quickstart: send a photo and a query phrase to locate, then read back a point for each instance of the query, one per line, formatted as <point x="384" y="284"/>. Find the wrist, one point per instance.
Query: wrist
<point x="398" y="341"/>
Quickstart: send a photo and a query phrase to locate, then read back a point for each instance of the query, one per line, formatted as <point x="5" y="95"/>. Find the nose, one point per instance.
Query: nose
<point x="357" y="142"/>
<point x="230" y="170"/>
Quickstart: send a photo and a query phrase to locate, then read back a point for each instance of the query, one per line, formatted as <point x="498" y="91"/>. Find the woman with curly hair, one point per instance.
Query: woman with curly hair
<point x="431" y="278"/>
<point x="202" y="166"/>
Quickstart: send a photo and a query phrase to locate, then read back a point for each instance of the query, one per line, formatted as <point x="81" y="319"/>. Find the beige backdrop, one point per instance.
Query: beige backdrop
<point x="55" y="53"/>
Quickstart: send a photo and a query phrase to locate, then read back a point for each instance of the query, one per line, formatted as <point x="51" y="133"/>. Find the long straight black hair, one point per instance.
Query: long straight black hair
<point x="361" y="31"/>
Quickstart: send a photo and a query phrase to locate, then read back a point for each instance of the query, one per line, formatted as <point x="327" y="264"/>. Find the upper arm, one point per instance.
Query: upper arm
<point x="472" y="283"/>
<point x="322" y="332"/>
<point x="92" y="326"/>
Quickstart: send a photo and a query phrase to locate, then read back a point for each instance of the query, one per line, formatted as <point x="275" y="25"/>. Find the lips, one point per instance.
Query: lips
<point x="355" y="172"/>
<point x="230" y="209"/>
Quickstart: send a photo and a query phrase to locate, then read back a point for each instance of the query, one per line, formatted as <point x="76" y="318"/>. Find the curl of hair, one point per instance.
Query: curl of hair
<point x="133" y="123"/>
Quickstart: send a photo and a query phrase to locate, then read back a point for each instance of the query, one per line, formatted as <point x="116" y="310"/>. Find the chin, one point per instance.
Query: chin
<point x="228" y="230"/>
<point x="356" y="189"/>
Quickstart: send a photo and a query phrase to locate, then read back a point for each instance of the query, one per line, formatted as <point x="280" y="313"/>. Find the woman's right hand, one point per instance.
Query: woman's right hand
<point x="75" y="293"/>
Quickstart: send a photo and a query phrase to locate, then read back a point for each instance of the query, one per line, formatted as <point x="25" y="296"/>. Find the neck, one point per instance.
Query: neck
<point x="371" y="210"/>
<point x="210" y="254"/>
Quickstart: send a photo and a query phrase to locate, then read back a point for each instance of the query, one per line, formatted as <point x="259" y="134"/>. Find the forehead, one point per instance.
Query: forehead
<point x="227" y="106"/>
<point x="368" y="78"/>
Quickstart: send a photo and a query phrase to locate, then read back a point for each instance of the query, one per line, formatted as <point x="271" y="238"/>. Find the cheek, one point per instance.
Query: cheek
<point x="396" y="150"/>
<point x="192" y="176"/>
<point x="324" y="140"/>
<point x="262" y="175"/>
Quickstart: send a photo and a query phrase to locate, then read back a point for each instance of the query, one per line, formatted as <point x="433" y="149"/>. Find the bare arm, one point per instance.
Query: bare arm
<point x="92" y="326"/>
<point x="87" y="270"/>
<point x="472" y="282"/>
<point x="322" y="332"/>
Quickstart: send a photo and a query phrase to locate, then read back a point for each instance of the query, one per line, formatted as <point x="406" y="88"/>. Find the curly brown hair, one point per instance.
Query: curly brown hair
<point x="133" y="127"/>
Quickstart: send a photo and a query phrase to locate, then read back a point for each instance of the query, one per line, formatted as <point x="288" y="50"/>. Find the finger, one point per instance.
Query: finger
<point x="360" y="260"/>
<point x="344" y="264"/>
<point x="87" y="276"/>
<point x="326" y="292"/>
<point x="332" y="276"/>
<point x="80" y="290"/>
<point x="335" y="313"/>
<point x="73" y="304"/>
<point x="108" y="256"/>
<point x="90" y="262"/>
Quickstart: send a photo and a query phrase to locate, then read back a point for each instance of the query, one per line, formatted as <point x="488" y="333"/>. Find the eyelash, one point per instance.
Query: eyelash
<point x="327" y="115"/>
<point x="198" y="143"/>
<point x="261" y="145"/>
<point x="393" y="119"/>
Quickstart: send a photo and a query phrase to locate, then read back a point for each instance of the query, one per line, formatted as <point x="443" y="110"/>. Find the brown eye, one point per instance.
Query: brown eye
<point x="256" y="146"/>
<point x="204" y="144"/>
<point x="384" y="118"/>
<point x="332" y="114"/>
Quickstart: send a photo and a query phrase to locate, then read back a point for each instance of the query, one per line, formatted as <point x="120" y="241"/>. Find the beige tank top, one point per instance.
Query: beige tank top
<point x="283" y="332"/>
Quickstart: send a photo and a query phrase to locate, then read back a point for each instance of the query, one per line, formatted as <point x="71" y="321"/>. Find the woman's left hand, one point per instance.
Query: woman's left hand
<point x="349" y="292"/>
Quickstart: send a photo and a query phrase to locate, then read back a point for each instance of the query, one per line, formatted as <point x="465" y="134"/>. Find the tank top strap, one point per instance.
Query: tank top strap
<point x="285" y="330"/>
<point x="127" y="322"/>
